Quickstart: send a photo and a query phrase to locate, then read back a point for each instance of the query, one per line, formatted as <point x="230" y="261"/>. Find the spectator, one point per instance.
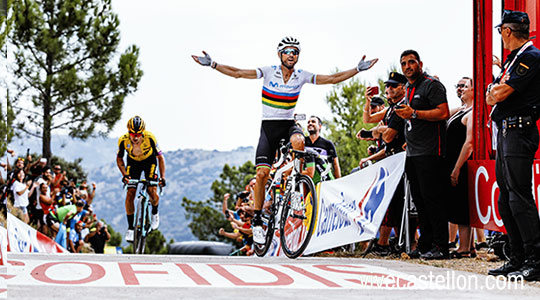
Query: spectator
<point x="425" y="134"/>
<point x="46" y="177"/>
<point x="390" y="134"/>
<point x="242" y="231"/>
<point x="37" y="168"/>
<point x="47" y="204"/>
<point x="21" y="191"/>
<point x="74" y="238"/>
<point x="80" y="214"/>
<point x="58" y="177"/>
<point x="324" y="147"/>
<point x="459" y="150"/>
<point x="97" y="237"/>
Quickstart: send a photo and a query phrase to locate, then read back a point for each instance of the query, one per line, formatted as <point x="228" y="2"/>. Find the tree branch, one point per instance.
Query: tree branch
<point x="68" y="122"/>
<point x="79" y="103"/>
<point x="30" y="133"/>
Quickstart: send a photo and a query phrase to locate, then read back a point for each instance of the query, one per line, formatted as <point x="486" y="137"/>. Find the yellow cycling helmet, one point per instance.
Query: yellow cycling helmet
<point x="136" y="125"/>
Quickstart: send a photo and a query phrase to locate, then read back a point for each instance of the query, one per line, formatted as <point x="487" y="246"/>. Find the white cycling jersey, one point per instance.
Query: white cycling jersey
<point x="279" y="99"/>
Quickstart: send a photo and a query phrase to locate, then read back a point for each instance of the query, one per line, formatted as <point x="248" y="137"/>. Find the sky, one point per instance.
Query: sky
<point x="186" y="105"/>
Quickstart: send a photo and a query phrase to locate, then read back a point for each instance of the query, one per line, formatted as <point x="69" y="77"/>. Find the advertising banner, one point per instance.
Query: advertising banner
<point x="3" y="246"/>
<point x="484" y="193"/>
<point x="352" y="208"/>
<point x="23" y="238"/>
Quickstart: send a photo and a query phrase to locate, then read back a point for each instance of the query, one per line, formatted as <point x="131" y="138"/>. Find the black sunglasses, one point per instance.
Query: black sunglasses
<point x="392" y="85"/>
<point x="460" y="86"/>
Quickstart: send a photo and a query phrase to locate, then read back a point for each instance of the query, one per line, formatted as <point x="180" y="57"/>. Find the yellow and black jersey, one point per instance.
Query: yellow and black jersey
<point x="149" y="146"/>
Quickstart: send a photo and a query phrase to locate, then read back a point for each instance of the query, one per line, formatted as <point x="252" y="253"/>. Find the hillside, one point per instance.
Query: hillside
<point x="190" y="174"/>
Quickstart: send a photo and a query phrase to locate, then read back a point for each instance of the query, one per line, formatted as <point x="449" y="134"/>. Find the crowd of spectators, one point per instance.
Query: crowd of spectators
<point x="240" y="218"/>
<point x="55" y="205"/>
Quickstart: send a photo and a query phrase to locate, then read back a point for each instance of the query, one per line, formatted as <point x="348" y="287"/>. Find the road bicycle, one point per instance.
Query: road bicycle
<point x="291" y="201"/>
<point x="142" y="223"/>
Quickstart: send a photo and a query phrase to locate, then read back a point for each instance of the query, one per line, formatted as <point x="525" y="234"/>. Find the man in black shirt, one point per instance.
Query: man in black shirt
<point x="515" y="95"/>
<point x="323" y="146"/>
<point x="425" y="132"/>
<point x="97" y="237"/>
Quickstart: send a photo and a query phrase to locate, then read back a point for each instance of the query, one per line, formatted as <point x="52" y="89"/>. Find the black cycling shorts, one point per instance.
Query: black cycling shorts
<point x="135" y="168"/>
<point x="272" y="131"/>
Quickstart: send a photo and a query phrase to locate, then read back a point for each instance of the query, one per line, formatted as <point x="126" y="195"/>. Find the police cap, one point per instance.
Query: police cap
<point x="514" y="16"/>
<point x="395" y="77"/>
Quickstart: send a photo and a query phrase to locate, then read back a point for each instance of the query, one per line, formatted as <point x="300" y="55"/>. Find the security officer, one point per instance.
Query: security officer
<point x="515" y="95"/>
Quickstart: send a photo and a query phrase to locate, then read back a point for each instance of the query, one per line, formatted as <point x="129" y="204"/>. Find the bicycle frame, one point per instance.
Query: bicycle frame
<point x="141" y="221"/>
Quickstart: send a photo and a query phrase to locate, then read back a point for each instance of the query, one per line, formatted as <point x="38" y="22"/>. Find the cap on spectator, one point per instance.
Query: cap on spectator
<point x="514" y="16"/>
<point x="43" y="160"/>
<point x="376" y="101"/>
<point x="395" y="77"/>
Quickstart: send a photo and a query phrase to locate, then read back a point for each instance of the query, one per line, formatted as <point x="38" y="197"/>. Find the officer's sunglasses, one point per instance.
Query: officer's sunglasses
<point x="290" y="51"/>
<point x="500" y="29"/>
<point x="391" y="85"/>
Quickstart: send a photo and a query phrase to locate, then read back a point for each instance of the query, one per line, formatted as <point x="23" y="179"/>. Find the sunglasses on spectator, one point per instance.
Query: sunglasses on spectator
<point x="20" y="158"/>
<point x="135" y="134"/>
<point x="460" y="86"/>
<point x="391" y="85"/>
<point x="290" y="51"/>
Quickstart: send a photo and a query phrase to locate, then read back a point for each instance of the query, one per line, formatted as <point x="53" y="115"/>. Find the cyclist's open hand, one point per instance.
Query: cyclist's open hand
<point x="162" y="182"/>
<point x="205" y="60"/>
<point x="365" y="64"/>
<point x="125" y="179"/>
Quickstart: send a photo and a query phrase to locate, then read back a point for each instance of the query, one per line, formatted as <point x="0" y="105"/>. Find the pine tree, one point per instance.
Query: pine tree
<point x="206" y="216"/>
<point x="67" y="73"/>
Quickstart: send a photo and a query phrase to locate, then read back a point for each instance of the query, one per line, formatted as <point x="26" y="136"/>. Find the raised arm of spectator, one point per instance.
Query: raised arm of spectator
<point x="92" y="194"/>
<point x="338" y="77"/>
<point x="367" y="116"/>
<point x="225" y="204"/>
<point x="207" y="61"/>
<point x="466" y="150"/>
<point x="439" y="113"/>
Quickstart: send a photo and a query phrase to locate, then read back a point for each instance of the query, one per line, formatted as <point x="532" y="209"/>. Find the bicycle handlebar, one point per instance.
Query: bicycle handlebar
<point x="144" y="182"/>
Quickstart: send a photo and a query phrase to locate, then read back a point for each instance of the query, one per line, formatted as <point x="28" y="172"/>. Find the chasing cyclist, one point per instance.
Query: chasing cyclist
<point x="143" y="154"/>
<point x="280" y="92"/>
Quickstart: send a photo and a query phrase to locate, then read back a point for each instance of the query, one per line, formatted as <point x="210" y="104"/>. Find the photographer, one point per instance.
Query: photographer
<point x="98" y="236"/>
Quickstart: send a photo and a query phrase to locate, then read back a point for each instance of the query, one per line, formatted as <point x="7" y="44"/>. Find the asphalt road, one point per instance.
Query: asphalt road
<point x="88" y="276"/>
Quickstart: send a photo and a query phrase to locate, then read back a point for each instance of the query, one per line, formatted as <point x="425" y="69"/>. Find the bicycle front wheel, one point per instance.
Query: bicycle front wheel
<point x="268" y="217"/>
<point x="139" y="238"/>
<point x="298" y="217"/>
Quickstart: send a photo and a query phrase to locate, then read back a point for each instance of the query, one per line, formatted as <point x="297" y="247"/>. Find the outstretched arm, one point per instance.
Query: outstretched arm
<point x="206" y="61"/>
<point x="363" y="65"/>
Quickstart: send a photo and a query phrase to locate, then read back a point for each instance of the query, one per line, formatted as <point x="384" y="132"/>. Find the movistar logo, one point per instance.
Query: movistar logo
<point x="274" y="84"/>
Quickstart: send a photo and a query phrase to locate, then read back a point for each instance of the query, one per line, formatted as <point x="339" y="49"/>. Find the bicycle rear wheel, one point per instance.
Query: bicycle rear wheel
<point x="268" y="223"/>
<point x="298" y="217"/>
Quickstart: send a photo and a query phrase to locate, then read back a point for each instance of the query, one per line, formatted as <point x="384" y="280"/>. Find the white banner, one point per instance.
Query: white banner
<point x="23" y="238"/>
<point x="352" y="208"/>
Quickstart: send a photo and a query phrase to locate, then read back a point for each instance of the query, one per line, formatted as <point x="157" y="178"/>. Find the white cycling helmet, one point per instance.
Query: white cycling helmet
<point x="288" y="41"/>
